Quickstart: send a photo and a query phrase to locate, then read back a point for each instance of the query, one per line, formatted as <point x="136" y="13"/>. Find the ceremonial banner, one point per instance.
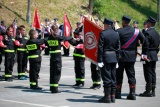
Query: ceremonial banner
<point x="91" y="37"/>
<point x="67" y="30"/>
<point x="36" y="20"/>
<point x="14" y="27"/>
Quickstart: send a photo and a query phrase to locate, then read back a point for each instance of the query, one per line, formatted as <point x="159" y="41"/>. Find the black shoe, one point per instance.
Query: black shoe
<point x="36" y="88"/>
<point x="80" y="85"/>
<point x="92" y="87"/>
<point x="9" y="80"/>
<point x="97" y="87"/>
<point x="131" y="97"/>
<point x="55" y="91"/>
<point x="146" y="94"/>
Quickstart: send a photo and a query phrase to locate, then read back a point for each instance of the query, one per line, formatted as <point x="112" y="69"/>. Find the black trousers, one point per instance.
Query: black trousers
<point x="9" y="63"/>
<point x="0" y="60"/>
<point x="46" y="51"/>
<point x="129" y="68"/>
<point x="150" y="73"/>
<point x="21" y="63"/>
<point x="55" y="72"/>
<point x="34" y="72"/>
<point x="79" y="68"/>
<point x="66" y="51"/>
<point x="95" y="74"/>
<point x="108" y="73"/>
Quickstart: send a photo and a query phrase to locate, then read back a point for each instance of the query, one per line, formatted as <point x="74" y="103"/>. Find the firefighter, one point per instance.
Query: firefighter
<point x="79" y="61"/>
<point x="21" y="52"/>
<point x="9" y="53"/>
<point x="54" y="45"/>
<point x="34" y="55"/>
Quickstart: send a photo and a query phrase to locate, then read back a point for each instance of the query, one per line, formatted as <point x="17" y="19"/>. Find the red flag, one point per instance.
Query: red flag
<point x="67" y="30"/>
<point x="36" y="20"/>
<point x="91" y="37"/>
<point x="14" y="27"/>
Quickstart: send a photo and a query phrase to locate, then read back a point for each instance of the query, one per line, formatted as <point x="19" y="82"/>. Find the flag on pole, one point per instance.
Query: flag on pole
<point x="67" y="30"/>
<point x="91" y="36"/>
<point x="36" y="20"/>
<point x="14" y="27"/>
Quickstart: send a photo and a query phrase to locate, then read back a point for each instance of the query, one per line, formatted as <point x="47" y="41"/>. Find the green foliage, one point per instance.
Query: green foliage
<point x="114" y="9"/>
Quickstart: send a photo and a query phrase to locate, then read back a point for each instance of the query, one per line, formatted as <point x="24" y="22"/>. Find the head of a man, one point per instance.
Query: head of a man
<point x="107" y="23"/>
<point x="54" y="30"/>
<point x="22" y="29"/>
<point x="125" y="20"/>
<point x="33" y="34"/>
<point x="151" y="22"/>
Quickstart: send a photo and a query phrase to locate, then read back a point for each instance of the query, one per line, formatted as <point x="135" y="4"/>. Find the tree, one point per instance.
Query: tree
<point x="91" y="4"/>
<point x="158" y="12"/>
<point x="28" y="17"/>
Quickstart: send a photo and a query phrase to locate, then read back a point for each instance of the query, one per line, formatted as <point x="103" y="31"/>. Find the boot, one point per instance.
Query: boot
<point x="118" y="92"/>
<point x="81" y="84"/>
<point x="153" y="91"/>
<point x="148" y="92"/>
<point x="77" y="83"/>
<point x="113" y="91"/>
<point x="55" y="90"/>
<point x="132" y="95"/>
<point x="107" y="96"/>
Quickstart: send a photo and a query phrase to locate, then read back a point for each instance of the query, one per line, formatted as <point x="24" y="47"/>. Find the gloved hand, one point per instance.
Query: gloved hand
<point x="100" y="64"/>
<point x="144" y="56"/>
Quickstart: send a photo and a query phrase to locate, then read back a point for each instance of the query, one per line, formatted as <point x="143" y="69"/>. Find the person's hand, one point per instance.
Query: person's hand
<point x="100" y="64"/>
<point x="144" y="56"/>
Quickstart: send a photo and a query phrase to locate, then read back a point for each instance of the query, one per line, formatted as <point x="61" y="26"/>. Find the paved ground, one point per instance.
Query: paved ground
<point x="18" y="94"/>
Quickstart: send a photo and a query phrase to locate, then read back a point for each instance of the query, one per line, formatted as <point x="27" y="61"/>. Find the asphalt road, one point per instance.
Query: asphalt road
<point x="18" y="94"/>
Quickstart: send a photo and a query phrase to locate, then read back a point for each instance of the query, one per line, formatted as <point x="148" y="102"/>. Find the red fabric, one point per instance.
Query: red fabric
<point x="1" y="44"/>
<point x="91" y="38"/>
<point x="36" y="20"/>
<point x="79" y="46"/>
<point x="16" y="42"/>
<point x="67" y="30"/>
<point x="1" y="37"/>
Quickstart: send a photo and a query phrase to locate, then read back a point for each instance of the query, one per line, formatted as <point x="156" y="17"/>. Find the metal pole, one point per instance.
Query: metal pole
<point x="28" y="17"/>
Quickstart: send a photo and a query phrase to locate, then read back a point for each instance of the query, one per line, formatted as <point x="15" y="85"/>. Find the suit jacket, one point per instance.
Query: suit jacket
<point x="154" y="40"/>
<point x="107" y="46"/>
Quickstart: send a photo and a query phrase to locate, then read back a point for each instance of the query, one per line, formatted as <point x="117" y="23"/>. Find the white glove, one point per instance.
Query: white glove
<point x="143" y="56"/>
<point x="100" y="64"/>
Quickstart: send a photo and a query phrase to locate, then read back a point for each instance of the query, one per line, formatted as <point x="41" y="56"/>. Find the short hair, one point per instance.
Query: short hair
<point x="21" y="27"/>
<point x="32" y="32"/>
<point x="53" y="27"/>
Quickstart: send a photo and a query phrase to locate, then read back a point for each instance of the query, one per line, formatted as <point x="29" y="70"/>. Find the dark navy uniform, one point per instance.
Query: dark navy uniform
<point x="150" y="67"/>
<point x="22" y="56"/>
<point x="107" y="46"/>
<point x="128" y="56"/>
<point x="9" y="57"/>
<point x="79" y="64"/>
<point x="96" y="76"/>
<point x="34" y="55"/>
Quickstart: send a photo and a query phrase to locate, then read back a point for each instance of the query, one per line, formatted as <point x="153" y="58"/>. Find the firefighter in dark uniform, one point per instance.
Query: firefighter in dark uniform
<point x="34" y="55"/>
<point x="149" y="68"/>
<point x="9" y="53"/>
<point x="79" y="61"/>
<point x="21" y="53"/>
<point x="128" y="38"/>
<point x="107" y="58"/>
<point x="96" y="76"/>
<point x="54" y="45"/>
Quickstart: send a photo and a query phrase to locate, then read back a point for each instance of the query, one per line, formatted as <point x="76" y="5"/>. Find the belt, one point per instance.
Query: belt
<point x="33" y="56"/>
<point x="56" y="51"/>
<point x="9" y="51"/>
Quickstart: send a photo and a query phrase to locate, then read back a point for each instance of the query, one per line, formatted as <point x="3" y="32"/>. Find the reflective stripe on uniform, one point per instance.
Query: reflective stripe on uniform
<point x="95" y="82"/>
<point x="33" y="56"/>
<point x="21" y="74"/>
<point x="9" y="51"/>
<point x="8" y="75"/>
<point x="32" y="83"/>
<point x="53" y="42"/>
<point x="79" y="79"/>
<point x="31" y="47"/>
<point x="78" y="55"/>
<point x="56" y="51"/>
<point x="54" y="85"/>
<point x="21" y="49"/>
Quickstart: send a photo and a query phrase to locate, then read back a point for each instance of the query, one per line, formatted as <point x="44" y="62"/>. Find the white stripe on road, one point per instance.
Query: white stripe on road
<point x="32" y="104"/>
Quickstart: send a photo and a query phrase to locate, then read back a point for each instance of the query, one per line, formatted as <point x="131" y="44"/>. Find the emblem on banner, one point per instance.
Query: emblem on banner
<point x="90" y="40"/>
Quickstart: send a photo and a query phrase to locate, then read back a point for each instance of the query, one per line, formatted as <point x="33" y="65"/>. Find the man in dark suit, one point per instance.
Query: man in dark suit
<point x="149" y="67"/>
<point x="107" y="46"/>
<point x="128" y="38"/>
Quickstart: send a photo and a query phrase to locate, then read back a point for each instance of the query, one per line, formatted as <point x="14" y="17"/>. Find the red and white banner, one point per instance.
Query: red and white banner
<point x="67" y="30"/>
<point x="91" y="37"/>
<point x="36" y="20"/>
<point x="14" y="27"/>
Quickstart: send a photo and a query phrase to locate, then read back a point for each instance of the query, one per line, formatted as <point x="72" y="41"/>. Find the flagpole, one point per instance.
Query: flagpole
<point x="28" y="17"/>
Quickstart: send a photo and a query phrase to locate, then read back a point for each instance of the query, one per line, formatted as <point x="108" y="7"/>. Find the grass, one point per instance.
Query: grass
<point x="113" y="9"/>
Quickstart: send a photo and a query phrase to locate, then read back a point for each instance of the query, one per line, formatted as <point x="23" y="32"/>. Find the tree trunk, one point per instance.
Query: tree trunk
<point x="158" y="12"/>
<point x="28" y="17"/>
<point x="91" y="3"/>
